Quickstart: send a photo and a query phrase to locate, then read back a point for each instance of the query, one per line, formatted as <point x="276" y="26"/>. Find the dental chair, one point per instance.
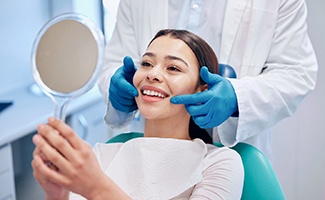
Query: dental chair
<point x="260" y="182"/>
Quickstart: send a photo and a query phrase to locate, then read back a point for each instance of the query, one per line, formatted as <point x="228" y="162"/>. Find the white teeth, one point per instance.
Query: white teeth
<point x="153" y="93"/>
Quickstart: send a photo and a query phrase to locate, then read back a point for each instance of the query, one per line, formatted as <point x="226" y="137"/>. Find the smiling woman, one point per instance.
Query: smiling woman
<point x="151" y="167"/>
<point x="170" y="67"/>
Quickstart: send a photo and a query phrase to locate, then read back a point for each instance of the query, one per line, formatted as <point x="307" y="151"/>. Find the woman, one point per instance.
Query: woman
<point x="167" y="163"/>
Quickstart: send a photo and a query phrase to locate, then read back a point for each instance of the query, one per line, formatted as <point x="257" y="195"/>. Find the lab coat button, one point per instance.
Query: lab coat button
<point x="195" y="6"/>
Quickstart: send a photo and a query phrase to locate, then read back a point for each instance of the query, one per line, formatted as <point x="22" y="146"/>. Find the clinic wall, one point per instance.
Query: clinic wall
<point x="19" y="23"/>
<point x="299" y="141"/>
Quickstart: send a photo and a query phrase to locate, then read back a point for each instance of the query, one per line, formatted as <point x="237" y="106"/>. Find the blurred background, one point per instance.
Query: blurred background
<point x="298" y="141"/>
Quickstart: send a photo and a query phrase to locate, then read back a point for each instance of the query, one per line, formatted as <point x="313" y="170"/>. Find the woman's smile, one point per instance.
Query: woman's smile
<point x="153" y="94"/>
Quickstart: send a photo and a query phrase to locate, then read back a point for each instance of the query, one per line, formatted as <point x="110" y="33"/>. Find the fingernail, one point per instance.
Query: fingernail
<point x="40" y="127"/>
<point x="36" y="139"/>
<point x="51" y="119"/>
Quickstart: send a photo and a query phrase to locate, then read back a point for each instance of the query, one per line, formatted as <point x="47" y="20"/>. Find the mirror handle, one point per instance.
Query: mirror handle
<point x="60" y="104"/>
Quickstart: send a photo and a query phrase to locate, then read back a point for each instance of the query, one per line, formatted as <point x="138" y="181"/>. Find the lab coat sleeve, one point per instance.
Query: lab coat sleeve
<point x="137" y="22"/>
<point x="116" y="119"/>
<point x="122" y="43"/>
<point x="288" y="75"/>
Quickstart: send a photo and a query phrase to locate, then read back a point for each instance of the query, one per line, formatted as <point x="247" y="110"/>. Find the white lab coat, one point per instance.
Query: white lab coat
<point x="265" y="41"/>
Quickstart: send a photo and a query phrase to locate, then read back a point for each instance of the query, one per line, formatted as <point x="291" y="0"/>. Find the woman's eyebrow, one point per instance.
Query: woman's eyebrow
<point x="149" y="54"/>
<point x="169" y="57"/>
<point x="176" y="58"/>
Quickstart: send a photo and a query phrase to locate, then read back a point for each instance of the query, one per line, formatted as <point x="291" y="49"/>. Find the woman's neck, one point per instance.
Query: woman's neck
<point x="168" y="128"/>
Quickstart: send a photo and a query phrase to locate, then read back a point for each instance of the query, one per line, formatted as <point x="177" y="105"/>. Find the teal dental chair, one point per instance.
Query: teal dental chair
<point x="260" y="183"/>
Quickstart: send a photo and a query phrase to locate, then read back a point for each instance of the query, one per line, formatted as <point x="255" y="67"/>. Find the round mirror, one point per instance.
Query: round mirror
<point x="66" y="58"/>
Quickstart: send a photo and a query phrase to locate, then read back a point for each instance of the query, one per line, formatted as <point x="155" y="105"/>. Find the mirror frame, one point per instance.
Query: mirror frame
<point x="99" y="38"/>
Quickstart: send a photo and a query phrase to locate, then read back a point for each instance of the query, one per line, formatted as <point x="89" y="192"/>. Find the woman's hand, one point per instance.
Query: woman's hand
<point x="76" y="166"/>
<point x="42" y="167"/>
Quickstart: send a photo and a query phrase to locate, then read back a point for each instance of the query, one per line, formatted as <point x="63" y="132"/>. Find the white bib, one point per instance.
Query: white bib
<point x="157" y="168"/>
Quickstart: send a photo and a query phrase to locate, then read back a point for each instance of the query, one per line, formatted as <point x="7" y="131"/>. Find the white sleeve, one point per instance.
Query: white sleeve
<point x="223" y="176"/>
<point x="288" y="75"/>
<point x="122" y="43"/>
<point x="116" y="119"/>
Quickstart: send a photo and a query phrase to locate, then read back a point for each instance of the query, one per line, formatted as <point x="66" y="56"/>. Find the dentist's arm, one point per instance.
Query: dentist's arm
<point x="212" y="107"/>
<point x="121" y="106"/>
<point x="124" y="41"/>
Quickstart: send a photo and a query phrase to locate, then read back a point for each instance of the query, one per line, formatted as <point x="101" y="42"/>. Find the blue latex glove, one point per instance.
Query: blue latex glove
<point x="121" y="89"/>
<point x="212" y="107"/>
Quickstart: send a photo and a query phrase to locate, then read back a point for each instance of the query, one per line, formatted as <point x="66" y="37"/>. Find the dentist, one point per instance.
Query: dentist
<point x="265" y="42"/>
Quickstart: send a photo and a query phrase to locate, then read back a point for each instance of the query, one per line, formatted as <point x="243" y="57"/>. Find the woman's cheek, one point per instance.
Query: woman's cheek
<point x="136" y="78"/>
<point x="183" y="85"/>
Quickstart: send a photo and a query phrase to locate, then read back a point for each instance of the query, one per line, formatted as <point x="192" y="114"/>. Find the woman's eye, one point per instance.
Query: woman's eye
<point x="145" y="64"/>
<point x="174" y="68"/>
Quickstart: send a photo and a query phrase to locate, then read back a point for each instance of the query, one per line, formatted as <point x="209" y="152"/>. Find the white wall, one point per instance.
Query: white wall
<point x="299" y="141"/>
<point x="20" y="22"/>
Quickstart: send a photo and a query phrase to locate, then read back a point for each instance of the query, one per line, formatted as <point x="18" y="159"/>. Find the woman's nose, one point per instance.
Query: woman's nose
<point x="152" y="78"/>
<point x="155" y="74"/>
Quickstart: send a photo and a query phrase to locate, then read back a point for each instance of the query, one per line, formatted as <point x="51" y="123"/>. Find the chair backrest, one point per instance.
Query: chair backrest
<point x="227" y="71"/>
<point x="260" y="182"/>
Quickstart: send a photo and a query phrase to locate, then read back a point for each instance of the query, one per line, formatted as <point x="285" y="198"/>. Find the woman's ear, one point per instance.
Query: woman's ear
<point x="202" y="88"/>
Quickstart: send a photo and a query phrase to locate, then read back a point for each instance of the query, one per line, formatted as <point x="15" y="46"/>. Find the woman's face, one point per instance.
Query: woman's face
<point x="168" y="68"/>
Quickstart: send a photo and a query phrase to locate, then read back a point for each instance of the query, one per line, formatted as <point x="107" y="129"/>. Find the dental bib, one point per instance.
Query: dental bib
<point x="157" y="168"/>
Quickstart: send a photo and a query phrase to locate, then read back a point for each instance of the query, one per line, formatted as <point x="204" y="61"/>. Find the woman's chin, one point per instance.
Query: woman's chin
<point x="150" y="114"/>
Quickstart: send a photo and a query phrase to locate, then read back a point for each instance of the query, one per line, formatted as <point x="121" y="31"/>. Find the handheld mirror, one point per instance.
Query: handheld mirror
<point x="66" y="58"/>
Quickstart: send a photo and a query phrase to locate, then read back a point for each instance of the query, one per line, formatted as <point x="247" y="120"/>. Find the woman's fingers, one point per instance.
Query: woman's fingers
<point x="77" y="150"/>
<point x="44" y="174"/>
<point x="56" y="140"/>
<point x="74" y="158"/>
<point x="49" y="155"/>
<point x="66" y="131"/>
<point x="38" y="152"/>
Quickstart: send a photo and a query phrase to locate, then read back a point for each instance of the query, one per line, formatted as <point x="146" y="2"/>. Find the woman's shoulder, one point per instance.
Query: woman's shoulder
<point x="219" y="155"/>
<point x="223" y="174"/>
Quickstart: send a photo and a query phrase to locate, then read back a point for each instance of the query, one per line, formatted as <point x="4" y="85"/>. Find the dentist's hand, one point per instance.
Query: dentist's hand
<point x="121" y="89"/>
<point x="212" y="107"/>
